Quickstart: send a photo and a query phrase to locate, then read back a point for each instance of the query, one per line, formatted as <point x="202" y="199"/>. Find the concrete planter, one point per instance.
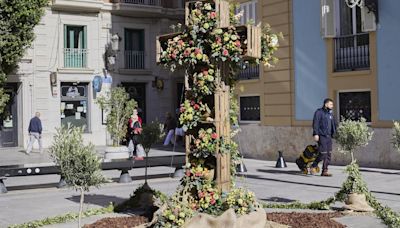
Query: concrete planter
<point x="119" y="152"/>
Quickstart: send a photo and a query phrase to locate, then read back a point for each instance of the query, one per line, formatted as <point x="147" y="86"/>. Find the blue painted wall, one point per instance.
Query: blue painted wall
<point x="309" y="58"/>
<point x="388" y="57"/>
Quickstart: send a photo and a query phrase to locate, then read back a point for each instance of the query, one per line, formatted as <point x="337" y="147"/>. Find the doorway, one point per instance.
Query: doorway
<point x="9" y="118"/>
<point x="137" y="91"/>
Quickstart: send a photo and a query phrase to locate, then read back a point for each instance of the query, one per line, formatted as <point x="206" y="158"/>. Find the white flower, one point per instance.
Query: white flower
<point x="274" y="41"/>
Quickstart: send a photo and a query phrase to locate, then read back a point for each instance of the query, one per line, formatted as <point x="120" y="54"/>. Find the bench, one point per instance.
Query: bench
<point x="124" y="165"/>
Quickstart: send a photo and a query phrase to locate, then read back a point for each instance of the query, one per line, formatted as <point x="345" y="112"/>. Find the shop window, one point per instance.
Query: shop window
<point x="250" y="108"/>
<point x="74" y="105"/>
<point x="355" y="105"/>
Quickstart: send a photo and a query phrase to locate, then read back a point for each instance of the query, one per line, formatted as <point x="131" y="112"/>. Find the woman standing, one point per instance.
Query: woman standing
<point x="134" y="130"/>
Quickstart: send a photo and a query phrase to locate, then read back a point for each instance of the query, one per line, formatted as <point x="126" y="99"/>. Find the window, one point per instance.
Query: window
<point x="248" y="71"/>
<point x="355" y="105"/>
<point x="349" y="27"/>
<point x="250" y="108"/>
<point x="75" y="50"/>
<point x="74" y="104"/>
<point x="249" y="12"/>
<point x="134" y="49"/>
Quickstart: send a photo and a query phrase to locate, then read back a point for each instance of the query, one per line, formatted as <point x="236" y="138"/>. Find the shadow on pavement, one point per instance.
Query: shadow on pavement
<point x="278" y="200"/>
<point x="308" y="184"/>
<point x="282" y="171"/>
<point x="378" y="171"/>
<point x="98" y="199"/>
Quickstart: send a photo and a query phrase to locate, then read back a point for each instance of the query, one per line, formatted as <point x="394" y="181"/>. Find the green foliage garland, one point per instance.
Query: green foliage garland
<point x="69" y="217"/>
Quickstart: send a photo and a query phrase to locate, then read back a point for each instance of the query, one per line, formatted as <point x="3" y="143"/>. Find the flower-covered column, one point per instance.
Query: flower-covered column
<point x="211" y="55"/>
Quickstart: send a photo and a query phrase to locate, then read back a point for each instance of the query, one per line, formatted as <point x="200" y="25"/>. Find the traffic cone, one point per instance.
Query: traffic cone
<point x="280" y="163"/>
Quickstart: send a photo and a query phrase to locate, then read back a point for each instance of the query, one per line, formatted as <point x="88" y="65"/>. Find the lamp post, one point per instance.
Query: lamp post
<point x="111" y="53"/>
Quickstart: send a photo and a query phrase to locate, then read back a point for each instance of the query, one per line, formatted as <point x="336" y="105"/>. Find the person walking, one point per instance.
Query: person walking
<point x="324" y="128"/>
<point x="35" y="133"/>
<point x="169" y="127"/>
<point x="134" y="130"/>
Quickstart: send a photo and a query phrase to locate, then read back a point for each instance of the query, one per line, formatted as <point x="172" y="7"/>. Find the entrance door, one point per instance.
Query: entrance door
<point x="8" y="120"/>
<point x="137" y="91"/>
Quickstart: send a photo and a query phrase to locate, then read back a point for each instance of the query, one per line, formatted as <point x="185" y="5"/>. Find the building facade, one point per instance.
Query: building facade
<point x="73" y="46"/>
<point x="328" y="50"/>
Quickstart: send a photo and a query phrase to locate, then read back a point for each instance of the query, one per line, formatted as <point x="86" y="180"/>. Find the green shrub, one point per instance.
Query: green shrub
<point x="119" y="108"/>
<point x="396" y="135"/>
<point x="352" y="135"/>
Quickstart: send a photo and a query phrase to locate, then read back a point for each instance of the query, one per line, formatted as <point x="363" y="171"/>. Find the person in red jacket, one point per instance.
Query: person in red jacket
<point x="135" y="129"/>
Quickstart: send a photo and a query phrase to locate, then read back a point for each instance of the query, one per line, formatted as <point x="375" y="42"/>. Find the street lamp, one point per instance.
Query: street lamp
<point x="354" y="3"/>
<point x="115" y="42"/>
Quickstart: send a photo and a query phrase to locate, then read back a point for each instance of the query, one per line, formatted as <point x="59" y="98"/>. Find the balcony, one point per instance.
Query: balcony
<point x="248" y="72"/>
<point x="352" y="52"/>
<point x="134" y="60"/>
<point x="149" y="8"/>
<point x="78" y="5"/>
<point x="75" y="58"/>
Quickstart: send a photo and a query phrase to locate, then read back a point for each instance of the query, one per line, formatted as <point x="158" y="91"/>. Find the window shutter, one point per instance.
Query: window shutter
<point x="368" y="22"/>
<point x="328" y="18"/>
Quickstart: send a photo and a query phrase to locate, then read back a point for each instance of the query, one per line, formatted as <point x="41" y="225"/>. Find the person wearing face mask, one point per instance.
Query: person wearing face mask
<point x="324" y="128"/>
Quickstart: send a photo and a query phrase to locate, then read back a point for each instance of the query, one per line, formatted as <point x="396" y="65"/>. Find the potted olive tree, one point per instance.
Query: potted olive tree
<point x="352" y="135"/>
<point x="119" y="108"/>
<point x="78" y="162"/>
<point x="396" y="135"/>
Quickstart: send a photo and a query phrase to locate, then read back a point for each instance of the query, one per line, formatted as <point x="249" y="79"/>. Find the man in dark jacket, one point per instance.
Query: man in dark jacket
<point x="35" y="133"/>
<point x="324" y="128"/>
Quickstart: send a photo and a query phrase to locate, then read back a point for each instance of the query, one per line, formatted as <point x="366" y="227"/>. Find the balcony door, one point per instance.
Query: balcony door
<point x="352" y="46"/>
<point x="75" y="49"/>
<point x="134" y="49"/>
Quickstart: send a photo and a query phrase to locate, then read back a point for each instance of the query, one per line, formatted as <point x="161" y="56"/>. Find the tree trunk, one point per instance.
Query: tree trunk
<point x="147" y="158"/>
<point x="352" y="156"/>
<point x="81" y="207"/>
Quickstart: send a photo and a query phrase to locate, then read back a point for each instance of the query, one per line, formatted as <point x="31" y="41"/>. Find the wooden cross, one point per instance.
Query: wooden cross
<point x="221" y="120"/>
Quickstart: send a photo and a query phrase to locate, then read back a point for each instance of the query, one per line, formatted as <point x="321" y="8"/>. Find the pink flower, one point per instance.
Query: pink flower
<point x="187" y="52"/>
<point x="237" y="43"/>
<point x="205" y="72"/>
<point x="219" y="40"/>
<point x="196" y="106"/>
<point x="180" y="42"/>
<point x="225" y="52"/>
<point x="198" y="174"/>
<point x="213" y="15"/>
<point x="192" y="103"/>
<point x="173" y="56"/>
<point x="191" y="42"/>
<point x="214" y="135"/>
<point x="197" y="51"/>
<point x="182" y="109"/>
<point x="188" y="173"/>
<point x="212" y="201"/>
<point x="201" y="194"/>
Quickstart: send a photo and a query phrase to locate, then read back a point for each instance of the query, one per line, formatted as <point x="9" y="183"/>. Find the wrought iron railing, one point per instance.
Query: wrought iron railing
<point x="134" y="59"/>
<point x="143" y="2"/>
<point x="352" y="52"/>
<point x="248" y="71"/>
<point x="75" y="58"/>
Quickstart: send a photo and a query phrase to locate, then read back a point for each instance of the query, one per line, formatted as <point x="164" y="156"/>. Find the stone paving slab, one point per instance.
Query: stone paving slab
<point x="269" y="184"/>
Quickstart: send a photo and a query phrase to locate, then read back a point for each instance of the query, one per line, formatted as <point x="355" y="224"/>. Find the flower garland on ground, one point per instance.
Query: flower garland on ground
<point x="353" y="183"/>
<point x="200" y="48"/>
